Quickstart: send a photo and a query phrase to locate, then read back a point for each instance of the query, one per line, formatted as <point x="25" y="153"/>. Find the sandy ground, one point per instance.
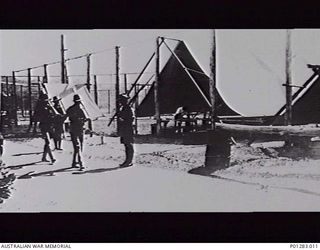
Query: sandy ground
<point x="257" y="180"/>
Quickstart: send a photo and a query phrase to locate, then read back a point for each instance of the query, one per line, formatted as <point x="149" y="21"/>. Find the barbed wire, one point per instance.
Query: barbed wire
<point x="84" y="75"/>
<point x="84" y="55"/>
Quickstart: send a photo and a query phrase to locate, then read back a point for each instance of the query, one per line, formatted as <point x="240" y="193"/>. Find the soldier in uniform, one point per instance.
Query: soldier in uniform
<point x="35" y="117"/>
<point x="125" y="117"/>
<point x="58" y="123"/>
<point x="77" y="119"/>
<point x="46" y="116"/>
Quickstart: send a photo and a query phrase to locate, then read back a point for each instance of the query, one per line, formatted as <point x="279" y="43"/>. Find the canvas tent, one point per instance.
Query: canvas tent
<point x="305" y="102"/>
<point x="177" y="89"/>
<point x="305" y="105"/>
<point x="66" y="93"/>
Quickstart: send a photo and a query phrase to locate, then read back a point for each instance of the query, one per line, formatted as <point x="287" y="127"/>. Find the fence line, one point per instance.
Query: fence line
<point x="20" y="100"/>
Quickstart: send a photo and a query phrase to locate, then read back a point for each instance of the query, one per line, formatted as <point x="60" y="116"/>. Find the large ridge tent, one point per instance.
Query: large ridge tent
<point x="177" y="89"/>
<point x="66" y="92"/>
<point x="305" y="102"/>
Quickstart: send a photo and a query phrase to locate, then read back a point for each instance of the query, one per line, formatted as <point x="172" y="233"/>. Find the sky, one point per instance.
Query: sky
<point x="250" y="63"/>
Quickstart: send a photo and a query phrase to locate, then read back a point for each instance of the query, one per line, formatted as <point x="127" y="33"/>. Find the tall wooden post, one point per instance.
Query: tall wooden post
<point x="29" y="95"/>
<point x="1" y="125"/>
<point x="212" y="80"/>
<point x="63" y="78"/>
<point x="288" y="116"/>
<point x="14" y="98"/>
<point x="95" y="89"/>
<point x="117" y="86"/>
<point x="136" y="102"/>
<point x="22" y="103"/>
<point x="156" y="88"/>
<point x="7" y="84"/>
<point x="125" y="83"/>
<point x="45" y="72"/>
<point x="88" y="72"/>
<point x="39" y="85"/>
<point x="66" y="73"/>
<point x="109" y="97"/>
<point x="218" y="149"/>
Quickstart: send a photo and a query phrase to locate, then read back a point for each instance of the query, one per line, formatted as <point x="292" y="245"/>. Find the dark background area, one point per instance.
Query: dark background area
<point x="158" y="14"/>
<point x="160" y="227"/>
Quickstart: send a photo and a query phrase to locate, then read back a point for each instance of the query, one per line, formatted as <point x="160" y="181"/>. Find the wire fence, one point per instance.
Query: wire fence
<point x="19" y="97"/>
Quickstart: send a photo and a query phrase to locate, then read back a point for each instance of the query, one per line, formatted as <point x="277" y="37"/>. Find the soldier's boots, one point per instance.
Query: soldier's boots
<point x="129" y="155"/>
<point x="47" y="150"/>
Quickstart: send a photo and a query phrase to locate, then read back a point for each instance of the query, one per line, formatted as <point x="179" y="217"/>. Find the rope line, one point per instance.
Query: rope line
<point x="83" y="55"/>
<point x="196" y="71"/>
<point x="102" y="74"/>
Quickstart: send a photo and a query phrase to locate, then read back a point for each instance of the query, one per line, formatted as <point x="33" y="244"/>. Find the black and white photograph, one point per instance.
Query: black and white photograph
<point x="155" y="120"/>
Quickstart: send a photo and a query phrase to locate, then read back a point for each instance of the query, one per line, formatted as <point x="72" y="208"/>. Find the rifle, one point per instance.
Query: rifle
<point x="88" y="119"/>
<point x="49" y="101"/>
<point x="136" y="81"/>
<point x="131" y="100"/>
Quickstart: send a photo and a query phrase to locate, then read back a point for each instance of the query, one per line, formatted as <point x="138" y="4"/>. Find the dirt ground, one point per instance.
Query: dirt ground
<point x="258" y="179"/>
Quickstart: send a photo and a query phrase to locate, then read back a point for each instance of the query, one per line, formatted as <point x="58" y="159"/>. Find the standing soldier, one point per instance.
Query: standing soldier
<point x="35" y="117"/>
<point x="46" y="116"/>
<point x="126" y="129"/>
<point x="58" y="123"/>
<point x="77" y="119"/>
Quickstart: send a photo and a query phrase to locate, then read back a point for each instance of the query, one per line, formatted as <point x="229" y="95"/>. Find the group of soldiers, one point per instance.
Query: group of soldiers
<point x="51" y="120"/>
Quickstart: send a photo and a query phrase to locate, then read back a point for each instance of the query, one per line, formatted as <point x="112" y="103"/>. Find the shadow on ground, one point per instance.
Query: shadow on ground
<point x="99" y="170"/>
<point x="13" y="167"/>
<point x="33" y="153"/>
<point x="45" y="173"/>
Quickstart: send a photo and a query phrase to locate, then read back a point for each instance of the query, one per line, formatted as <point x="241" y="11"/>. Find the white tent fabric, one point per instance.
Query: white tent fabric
<point x="66" y="93"/>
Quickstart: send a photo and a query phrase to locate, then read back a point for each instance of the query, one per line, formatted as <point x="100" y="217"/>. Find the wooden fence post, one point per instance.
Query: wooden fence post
<point x="125" y="83"/>
<point x="117" y="86"/>
<point x="30" y="95"/>
<point x="212" y="81"/>
<point x="45" y="77"/>
<point x="14" y="98"/>
<point x="288" y="115"/>
<point x="88" y="72"/>
<point x="22" y="102"/>
<point x="109" y="97"/>
<point x="95" y="89"/>
<point x="156" y="88"/>
<point x="63" y="78"/>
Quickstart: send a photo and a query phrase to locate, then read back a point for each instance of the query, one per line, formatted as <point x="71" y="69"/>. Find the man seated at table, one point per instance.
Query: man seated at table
<point x="179" y="115"/>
